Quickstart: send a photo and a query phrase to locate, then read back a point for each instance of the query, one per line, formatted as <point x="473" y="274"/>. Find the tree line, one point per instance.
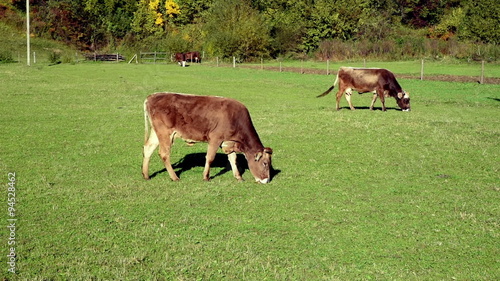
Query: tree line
<point x="270" y="28"/>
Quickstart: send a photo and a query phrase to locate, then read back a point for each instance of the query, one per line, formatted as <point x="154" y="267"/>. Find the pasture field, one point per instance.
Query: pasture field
<point x="411" y="67"/>
<point x="357" y="195"/>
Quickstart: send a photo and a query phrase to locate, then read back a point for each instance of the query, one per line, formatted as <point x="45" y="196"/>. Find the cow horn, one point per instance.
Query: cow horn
<point x="268" y="150"/>
<point x="258" y="156"/>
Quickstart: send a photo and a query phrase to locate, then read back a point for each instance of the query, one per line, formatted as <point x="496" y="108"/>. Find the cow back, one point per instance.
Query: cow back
<point x="369" y="79"/>
<point x="201" y="118"/>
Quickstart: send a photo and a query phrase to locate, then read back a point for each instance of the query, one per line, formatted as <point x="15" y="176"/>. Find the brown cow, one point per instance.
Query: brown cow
<point x="380" y="82"/>
<point x="180" y="58"/>
<point x="193" y="57"/>
<point x="222" y="122"/>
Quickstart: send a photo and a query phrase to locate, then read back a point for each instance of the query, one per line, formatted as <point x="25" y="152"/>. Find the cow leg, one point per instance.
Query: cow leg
<point x="211" y="151"/>
<point x="149" y="147"/>
<point x="339" y="96"/>
<point x="232" y="160"/>
<point x="381" y="94"/>
<point x="165" y="147"/>
<point x="373" y="100"/>
<point x="348" y="98"/>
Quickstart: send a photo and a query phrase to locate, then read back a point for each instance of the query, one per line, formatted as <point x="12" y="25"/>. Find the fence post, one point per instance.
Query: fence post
<point x="422" y="71"/>
<point x="280" y="67"/>
<point x="261" y="63"/>
<point x="217" y="59"/>
<point x="34" y="57"/>
<point x="327" y="67"/>
<point x="481" y="81"/>
<point x="364" y="63"/>
<point x="302" y="66"/>
<point x="234" y="62"/>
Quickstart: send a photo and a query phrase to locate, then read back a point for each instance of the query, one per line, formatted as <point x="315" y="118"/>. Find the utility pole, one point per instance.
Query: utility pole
<point x="28" y="47"/>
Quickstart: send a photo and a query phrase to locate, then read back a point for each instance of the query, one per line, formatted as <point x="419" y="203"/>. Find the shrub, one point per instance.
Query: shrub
<point x="6" y="57"/>
<point x="55" y="57"/>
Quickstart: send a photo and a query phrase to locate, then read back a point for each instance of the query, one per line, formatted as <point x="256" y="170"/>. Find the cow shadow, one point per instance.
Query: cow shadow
<point x="375" y="108"/>
<point x="194" y="160"/>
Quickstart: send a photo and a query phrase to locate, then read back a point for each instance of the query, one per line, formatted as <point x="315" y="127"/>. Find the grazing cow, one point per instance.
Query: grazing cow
<point x="180" y="58"/>
<point x="222" y="122"/>
<point x="193" y="57"/>
<point x="380" y="82"/>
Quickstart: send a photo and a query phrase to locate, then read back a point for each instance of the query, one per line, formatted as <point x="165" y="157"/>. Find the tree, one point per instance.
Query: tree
<point x="482" y="21"/>
<point x="148" y="20"/>
<point x="63" y="20"/>
<point x="335" y="19"/>
<point x="286" y="20"/>
<point x="234" y="28"/>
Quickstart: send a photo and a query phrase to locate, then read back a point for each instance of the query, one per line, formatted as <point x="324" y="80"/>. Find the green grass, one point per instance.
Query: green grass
<point x="358" y="195"/>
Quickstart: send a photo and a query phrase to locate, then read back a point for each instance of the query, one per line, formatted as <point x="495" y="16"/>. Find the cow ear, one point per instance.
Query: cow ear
<point x="400" y="95"/>
<point x="268" y="150"/>
<point x="258" y="156"/>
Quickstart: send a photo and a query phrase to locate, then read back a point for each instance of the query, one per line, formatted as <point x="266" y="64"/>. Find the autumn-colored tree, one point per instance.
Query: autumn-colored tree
<point x="148" y="19"/>
<point x="173" y="9"/>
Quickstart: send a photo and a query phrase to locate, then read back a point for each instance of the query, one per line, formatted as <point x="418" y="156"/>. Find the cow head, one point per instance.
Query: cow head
<point x="403" y="100"/>
<point x="260" y="165"/>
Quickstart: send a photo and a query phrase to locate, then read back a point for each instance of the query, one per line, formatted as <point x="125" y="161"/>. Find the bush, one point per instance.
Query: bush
<point x="243" y="35"/>
<point x="55" y="57"/>
<point x="6" y="57"/>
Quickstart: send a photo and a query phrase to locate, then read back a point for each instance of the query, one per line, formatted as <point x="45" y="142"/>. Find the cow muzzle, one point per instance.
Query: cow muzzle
<point x="264" y="181"/>
<point x="407" y="109"/>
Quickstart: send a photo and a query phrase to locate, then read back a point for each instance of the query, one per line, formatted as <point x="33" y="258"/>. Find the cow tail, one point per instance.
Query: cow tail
<point x="146" y="121"/>
<point x="331" y="88"/>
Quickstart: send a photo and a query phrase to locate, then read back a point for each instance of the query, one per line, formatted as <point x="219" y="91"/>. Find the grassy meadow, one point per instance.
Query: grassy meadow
<point x="357" y="195"/>
<point x="410" y="67"/>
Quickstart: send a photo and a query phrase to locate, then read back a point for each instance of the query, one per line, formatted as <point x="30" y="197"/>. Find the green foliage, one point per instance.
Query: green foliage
<point x="55" y="57"/>
<point x="287" y="25"/>
<point x="482" y="21"/>
<point x="449" y="25"/>
<point x="145" y="20"/>
<point x="243" y="33"/>
<point x="6" y="57"/>
<point x="255" y="28"/>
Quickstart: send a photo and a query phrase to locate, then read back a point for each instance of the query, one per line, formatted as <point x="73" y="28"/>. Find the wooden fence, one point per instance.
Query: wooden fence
<point x="282" y="67"/>
<point x="105" y="57"/>
<point x="154" y="57"/>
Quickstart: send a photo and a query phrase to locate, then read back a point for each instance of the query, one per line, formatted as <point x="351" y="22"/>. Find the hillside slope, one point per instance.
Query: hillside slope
<point x="13" y="41"/>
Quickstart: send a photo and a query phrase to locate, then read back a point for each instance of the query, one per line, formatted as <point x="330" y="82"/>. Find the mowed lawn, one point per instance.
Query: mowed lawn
<point x="357" y="195"/>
